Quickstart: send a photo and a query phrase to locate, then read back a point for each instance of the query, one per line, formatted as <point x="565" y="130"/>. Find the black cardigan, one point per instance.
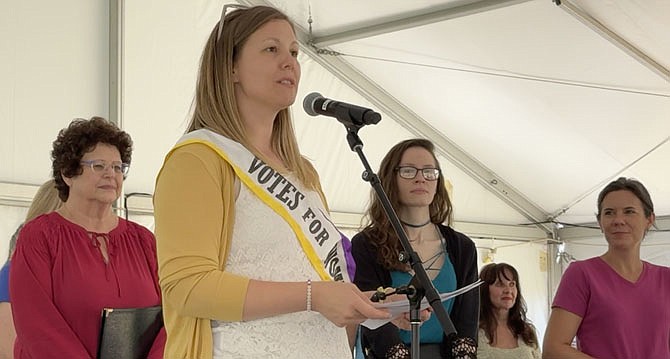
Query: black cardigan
<point x="370" y="275"/>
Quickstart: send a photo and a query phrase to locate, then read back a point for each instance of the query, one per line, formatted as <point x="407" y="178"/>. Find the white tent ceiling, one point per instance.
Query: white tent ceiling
<point x="533" y="108"/>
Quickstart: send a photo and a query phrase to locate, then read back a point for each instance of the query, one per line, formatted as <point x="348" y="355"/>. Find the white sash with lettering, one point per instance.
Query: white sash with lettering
<point x="319" y="238"/>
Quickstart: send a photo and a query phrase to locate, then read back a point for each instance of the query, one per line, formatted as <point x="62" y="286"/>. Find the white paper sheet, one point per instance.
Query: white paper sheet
<point x="398" y="307"/>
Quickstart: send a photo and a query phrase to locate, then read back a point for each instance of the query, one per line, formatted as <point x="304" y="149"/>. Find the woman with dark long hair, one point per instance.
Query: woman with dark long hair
<point x="504" y="330"/>
<point x="412" y="178"/>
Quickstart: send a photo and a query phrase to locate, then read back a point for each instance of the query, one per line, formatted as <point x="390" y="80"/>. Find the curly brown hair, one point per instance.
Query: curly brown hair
<point x="516" y="319"/>
<point x="79" y="138"/>
<point x="379" y="230"/>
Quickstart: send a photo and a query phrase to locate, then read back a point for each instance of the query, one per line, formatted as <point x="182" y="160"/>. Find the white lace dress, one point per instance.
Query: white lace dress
<point x="522" y="351"/>
<point x="265" y="248"/>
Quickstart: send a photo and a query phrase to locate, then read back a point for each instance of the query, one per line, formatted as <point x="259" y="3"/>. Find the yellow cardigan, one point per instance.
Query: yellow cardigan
<point x="194" y="215"/>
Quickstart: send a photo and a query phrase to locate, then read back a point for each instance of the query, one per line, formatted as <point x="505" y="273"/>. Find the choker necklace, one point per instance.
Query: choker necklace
<point x="415" y="225"/>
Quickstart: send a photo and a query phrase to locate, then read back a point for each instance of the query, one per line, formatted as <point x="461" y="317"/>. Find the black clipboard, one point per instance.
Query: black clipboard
<point x="128" y="333"/>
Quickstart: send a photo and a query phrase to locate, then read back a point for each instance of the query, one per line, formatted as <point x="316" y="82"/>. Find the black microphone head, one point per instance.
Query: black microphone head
<point x="308" y="103"/>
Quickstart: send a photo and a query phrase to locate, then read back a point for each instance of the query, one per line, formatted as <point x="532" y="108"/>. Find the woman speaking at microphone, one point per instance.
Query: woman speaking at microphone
<point x="250" y="266"/>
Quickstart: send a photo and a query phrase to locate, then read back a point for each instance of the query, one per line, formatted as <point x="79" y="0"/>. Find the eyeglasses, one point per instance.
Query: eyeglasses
<point x="102" y="166"/>
<point x="223" y="16"/>
<point x="409" y="172"/>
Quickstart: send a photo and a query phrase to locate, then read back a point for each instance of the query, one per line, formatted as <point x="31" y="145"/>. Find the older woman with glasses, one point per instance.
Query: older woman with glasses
<point x="411" y="177"/>
<point x="72" y="263"/>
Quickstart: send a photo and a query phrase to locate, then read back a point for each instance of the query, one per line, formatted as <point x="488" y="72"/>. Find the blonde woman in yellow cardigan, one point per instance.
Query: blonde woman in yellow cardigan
<point x="249" y="263"/>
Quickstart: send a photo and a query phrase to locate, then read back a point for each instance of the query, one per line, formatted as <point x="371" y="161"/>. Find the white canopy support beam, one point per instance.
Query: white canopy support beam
<point x="614" y="38"/>
<point x="590" y="230"/>
<point x="115" y="75"/>
<point x="17" y="194"/>
<point x="20" y="195"/>
<point x="450" y="12"/>
<point x="352" y="221"/>
<point x="115" y="86"/>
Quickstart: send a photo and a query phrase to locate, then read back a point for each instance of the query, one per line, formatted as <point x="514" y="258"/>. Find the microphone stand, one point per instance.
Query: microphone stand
<point x="420" y="286"/>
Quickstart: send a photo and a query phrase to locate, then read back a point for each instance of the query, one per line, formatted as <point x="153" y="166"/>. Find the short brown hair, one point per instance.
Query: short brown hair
<point x="631" y="185"/>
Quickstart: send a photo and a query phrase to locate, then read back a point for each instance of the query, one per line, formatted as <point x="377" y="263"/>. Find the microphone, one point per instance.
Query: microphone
<point x="348" y="114"/>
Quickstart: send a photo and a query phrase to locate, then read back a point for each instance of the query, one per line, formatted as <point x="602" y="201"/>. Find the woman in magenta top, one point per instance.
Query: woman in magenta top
<point x="72" y="263"/>
<point x="615" y="305"/>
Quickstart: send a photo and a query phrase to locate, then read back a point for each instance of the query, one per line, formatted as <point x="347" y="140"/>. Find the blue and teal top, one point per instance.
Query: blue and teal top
<point x="445" y="281"/>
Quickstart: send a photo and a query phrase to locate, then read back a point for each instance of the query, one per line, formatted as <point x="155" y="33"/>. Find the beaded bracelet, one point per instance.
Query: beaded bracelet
<point x="309" y="295"/>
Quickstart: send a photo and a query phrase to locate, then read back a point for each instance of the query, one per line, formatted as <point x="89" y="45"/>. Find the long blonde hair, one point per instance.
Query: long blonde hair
<point x="46" y="200"/>
<point x="214" y="106"/>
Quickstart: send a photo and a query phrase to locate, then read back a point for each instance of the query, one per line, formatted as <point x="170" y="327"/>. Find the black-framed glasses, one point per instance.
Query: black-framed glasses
<point x="102" y="166"/>
<point x="409" y="172"/>
<point x="223" y="16"/>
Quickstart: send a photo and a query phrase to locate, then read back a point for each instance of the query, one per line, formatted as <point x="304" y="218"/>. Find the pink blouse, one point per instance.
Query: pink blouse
<point x="59" y="283"/>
